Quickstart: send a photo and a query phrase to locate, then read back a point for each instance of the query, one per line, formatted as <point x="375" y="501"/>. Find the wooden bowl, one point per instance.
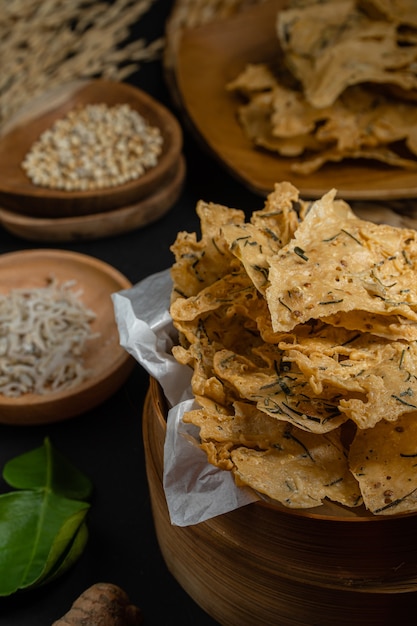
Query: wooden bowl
<point x="19" y="194"/>
<point x="109" y="362"/>
<point x="266" y="565"/>
<point x="213" y="54"/>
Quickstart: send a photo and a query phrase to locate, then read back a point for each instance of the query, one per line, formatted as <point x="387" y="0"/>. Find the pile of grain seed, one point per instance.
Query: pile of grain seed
<point x="94" y="147"/>
<point x="46" y="44"/>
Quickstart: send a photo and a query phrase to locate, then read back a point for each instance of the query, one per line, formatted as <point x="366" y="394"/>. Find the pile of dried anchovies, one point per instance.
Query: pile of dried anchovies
<point x="43" y="334"/>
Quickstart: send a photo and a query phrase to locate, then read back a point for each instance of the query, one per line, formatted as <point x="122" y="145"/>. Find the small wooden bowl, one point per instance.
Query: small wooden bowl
<point x="109" y="362"/>
<point x="19" y="194"/>
<point x="265" y="565"/>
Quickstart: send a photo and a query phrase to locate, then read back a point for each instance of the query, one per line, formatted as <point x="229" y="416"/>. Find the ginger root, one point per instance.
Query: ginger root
<point x="102" y="604"/>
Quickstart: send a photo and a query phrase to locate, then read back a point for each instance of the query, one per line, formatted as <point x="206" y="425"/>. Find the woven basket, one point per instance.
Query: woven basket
<point x="266" y="565"/>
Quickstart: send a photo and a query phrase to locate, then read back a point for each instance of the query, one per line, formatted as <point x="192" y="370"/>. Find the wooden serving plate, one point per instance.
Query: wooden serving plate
<point x="98" y="225"/>
<point x="19" y="194"/>
<point x="265" y="564"/>
<point x="210" y="56"/>
<point x="109" y="362"/>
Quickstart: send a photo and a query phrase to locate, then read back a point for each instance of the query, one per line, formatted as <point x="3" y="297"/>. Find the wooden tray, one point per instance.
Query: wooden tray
<point x="266" y="566"/>
<point x="211" y="55"/>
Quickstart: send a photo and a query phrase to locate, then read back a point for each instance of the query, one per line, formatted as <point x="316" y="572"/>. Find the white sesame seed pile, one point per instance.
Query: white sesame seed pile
<point x="94" y="147"/>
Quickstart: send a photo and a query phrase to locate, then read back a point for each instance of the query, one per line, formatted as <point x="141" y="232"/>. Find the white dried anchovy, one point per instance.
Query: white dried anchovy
<point x="94" y="147"/>
<point x="43" y="332"/>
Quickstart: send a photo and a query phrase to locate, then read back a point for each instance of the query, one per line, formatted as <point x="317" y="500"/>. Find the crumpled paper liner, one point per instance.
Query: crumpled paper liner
<point x="195" y="490"/>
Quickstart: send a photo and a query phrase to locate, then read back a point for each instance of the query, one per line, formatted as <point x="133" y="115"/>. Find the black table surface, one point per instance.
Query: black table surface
<point x="106" y="443"/>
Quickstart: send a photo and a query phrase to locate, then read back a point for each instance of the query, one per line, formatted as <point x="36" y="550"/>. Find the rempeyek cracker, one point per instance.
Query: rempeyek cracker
<point x="334" y="254"/>
<point x="383" y="460"/>
<point x="302" y="336"/>
<point x="199" y="263"/>
<point x="347" y="89"/>
<point x="344" y="43"/>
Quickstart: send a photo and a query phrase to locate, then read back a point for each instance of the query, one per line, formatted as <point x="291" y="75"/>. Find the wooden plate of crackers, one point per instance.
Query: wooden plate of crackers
<point x="211" y="56"/>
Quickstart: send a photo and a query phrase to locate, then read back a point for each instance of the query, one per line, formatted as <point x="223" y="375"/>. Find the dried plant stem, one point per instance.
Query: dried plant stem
<point x="44" y="44"/>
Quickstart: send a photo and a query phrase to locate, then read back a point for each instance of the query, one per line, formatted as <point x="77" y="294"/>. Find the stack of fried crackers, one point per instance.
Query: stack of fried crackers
<point x="300" y="325"/>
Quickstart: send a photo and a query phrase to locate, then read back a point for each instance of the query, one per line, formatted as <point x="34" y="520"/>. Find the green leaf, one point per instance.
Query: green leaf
<point x="36" y="527"/>
<point x="75" y="549"/>
<point x="42" y="531"/>
<point x="63" y="542"/>
<point x="45" y="466"/>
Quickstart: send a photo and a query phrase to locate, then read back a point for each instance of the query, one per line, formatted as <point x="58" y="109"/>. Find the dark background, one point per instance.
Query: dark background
<point x="106" y="443"/>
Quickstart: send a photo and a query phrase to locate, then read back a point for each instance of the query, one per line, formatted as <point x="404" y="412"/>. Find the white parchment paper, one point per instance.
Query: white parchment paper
<point x="195" y="490"/>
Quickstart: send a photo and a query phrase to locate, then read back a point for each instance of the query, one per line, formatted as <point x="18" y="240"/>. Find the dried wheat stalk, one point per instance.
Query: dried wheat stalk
<point x="45" y="44"/>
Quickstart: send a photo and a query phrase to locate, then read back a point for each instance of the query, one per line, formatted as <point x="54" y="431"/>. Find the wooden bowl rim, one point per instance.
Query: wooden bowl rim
<point x="97" y="225"/>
